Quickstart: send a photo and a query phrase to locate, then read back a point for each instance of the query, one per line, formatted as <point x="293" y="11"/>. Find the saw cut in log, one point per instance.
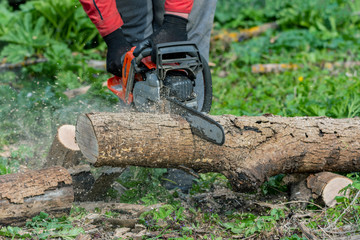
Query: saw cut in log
<point x="64" y="151"/>
<point x="327" y="186"/>
<point x="24" y="195"/>
<point x="255" y="148"/>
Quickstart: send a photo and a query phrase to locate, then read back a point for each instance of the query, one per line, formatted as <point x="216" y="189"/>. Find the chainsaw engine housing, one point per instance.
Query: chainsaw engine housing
<point x="144" y="83"/>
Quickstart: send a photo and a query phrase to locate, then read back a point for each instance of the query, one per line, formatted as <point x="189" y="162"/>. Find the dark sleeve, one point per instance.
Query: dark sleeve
<point x="104" y="14"/>
<point x="180" y="6"/>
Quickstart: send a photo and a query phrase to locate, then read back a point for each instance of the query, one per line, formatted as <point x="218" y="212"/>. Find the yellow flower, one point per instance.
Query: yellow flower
<point x="301" y="78"/>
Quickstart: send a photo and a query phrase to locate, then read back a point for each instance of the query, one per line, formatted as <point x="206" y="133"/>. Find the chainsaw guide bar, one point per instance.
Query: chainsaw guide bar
<point x="201" y="125"/>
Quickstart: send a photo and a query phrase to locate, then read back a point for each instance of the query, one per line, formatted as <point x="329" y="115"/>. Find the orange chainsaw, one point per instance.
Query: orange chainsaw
<point x="163" y="80"/>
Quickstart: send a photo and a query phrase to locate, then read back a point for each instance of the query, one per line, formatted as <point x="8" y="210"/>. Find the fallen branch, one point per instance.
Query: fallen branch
<point x="124" y="208"/>
<point x="4" y="66"/>
<point x="243" y="34"/>
<point x="24" y="195"/>
<point x="11" y="66"/>
<point x="282" y="67"/>
<point x="80" y="91"/>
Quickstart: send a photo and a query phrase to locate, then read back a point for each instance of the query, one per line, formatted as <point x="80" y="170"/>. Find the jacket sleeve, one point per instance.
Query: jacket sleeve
<point x="104" y="14"/>
<point x="179" y="6"/>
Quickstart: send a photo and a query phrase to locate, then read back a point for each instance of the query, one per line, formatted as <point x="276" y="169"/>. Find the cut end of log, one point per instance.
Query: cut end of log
<point x="331" y="190"/>
<point x="87" y="139"/>
<point x="67" y="137"/>
<point x="64" y="150"/>
<point x="327" y="185"/>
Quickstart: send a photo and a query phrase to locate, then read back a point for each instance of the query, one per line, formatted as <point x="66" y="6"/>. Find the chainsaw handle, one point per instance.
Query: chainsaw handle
<point x="143" y="54"/>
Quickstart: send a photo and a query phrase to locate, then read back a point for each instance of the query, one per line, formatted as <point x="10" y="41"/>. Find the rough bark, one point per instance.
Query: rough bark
<point x="255" y="147"/>
<point x="24" y="195"/>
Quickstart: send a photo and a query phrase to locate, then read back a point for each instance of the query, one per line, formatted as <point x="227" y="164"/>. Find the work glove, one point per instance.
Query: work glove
<point x="117" y="47"/>
<point x="173" y="29"/>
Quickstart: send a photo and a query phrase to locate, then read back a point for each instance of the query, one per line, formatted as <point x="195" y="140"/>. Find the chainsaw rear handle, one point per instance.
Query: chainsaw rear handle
<point x="143" y="54"/>
<point x="168" y="48"/>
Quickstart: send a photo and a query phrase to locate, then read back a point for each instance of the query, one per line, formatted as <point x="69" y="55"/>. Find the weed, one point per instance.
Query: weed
<point x="206" y="181"/>
<point x="293" y="237"/>
<point x="274" y="185"/>
<point x="249" y="224"/>
<point x="14" y="232"/>
<point x="171" y="214"/>
<point x="144" y="186"/>
<point x="46" y="227"/>
<point x="8" y="165"/>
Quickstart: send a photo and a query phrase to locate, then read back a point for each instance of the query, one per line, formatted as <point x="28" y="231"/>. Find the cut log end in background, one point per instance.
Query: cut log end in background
<point x="255" y="148"/>
<point x="327" y="186"/>
<point x="323" y="187"/>
<point x="64" y="151"/>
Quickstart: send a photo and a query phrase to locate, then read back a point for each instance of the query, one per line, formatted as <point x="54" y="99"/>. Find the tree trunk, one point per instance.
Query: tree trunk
<point x="255" y="147"/>
<point x="24" y="195"/>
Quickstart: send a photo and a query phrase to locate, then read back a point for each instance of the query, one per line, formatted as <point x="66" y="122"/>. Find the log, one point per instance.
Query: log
<point x="282" y="67"/>
<point x="326" y="186"/>
<point x="323" y="187"/>
<point x="243" y="34"/>
<point x="25" y="195"/>
<point x="64" y="151"/>
<point x="255" y="148"/>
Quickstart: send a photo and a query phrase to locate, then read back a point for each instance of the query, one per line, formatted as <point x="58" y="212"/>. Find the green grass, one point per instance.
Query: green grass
<point x="307" y="92"/>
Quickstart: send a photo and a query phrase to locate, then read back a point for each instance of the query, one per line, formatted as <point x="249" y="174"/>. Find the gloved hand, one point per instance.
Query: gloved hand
<point x="117" y="47"/>
<point x="173" y="29"/>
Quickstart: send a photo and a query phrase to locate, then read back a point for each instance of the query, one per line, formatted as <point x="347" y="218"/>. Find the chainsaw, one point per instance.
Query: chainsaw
<point x="163" y="81"/>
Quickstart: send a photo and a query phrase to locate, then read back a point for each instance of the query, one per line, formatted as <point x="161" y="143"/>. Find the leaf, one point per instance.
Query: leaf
<point x="356" y="185"/>
<point x="16" y="53"/>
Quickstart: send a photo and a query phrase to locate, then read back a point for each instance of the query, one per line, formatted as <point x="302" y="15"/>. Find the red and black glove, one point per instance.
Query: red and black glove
<point x="173" y="29"/>
<point x="117" y="47"/>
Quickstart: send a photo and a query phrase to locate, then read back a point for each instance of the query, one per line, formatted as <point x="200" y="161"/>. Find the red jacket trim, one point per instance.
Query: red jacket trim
<point x="104" y="14"/>
<point x="180" y="6"/>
